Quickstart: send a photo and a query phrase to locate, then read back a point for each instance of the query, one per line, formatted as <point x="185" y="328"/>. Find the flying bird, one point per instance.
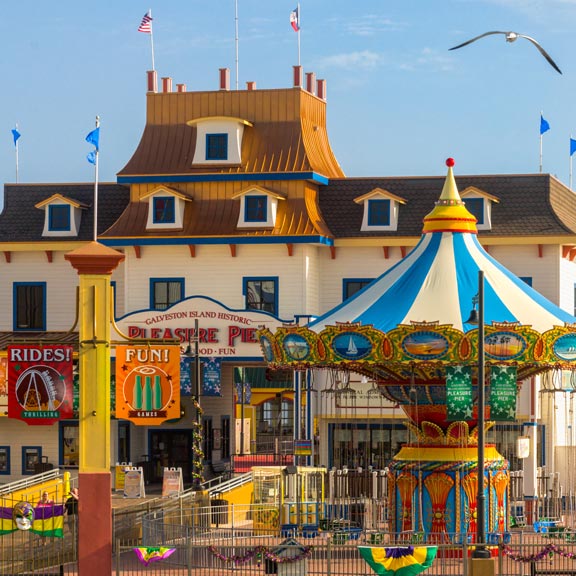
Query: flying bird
<point x="512" y="37"/>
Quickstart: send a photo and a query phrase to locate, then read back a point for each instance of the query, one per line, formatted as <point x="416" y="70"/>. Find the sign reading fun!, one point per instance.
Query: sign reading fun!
<point x="40" y="383"/>
<point x="147" y="383"/>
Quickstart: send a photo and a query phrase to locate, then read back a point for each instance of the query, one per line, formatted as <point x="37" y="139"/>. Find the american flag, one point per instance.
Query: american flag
<point x="146" y="24"/>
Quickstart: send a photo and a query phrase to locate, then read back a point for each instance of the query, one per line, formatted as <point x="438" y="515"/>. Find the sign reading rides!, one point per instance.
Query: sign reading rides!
<point x="147" y="384"/>
<point x="40" y="383"/>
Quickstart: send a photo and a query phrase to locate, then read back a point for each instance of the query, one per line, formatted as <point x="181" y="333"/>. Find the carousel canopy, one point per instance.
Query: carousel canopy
<point x="438" y="280"/>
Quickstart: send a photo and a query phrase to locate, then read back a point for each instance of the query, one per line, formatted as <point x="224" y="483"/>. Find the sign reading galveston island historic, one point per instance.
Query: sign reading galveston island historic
<point x="40" y="383"/>
<point x="147" y="383"/>
<point x="222" y="332"/>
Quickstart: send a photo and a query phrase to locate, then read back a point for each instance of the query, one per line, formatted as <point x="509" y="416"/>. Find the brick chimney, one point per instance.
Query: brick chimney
<point x="152" y="81"/>
<point x="250" y="86"/>
<point x="167" y="84"/>
<point x="298" y="77"/>
<point x="224" y="79"/>
<point x="180" y="87"/>
<point x="310" y="81"/>
<point x="321" y="89"/>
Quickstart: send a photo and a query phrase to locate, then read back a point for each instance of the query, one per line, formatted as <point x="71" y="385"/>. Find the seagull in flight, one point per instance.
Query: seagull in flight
<point x="512" y="37"/>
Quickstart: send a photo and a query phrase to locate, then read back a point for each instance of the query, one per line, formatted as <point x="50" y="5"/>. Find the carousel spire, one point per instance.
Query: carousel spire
<point x="449" y="213"/>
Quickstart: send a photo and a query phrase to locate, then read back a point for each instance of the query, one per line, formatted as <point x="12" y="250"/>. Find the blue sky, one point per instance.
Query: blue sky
<point x="399" y="102"/>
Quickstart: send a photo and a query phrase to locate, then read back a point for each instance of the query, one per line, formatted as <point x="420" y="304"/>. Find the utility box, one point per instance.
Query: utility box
<point x="290" y="548"/>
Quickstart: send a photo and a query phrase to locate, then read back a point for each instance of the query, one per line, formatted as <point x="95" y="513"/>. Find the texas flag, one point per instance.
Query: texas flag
<point x="295" y="19"/>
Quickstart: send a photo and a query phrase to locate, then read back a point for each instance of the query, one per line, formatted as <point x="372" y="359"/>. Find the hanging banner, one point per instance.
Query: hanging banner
<point x="458" y="393"/>
<point x="212" y="373"/>
<point x="503" y="393"/>
<point x="40" y="389"/>
<point x="147" y="384"/>
<point x="3" y="387"/>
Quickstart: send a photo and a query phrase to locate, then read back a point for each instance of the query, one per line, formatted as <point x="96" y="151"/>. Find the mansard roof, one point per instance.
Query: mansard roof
<point x="20" y="221"/>
<point x="529" y="204"/>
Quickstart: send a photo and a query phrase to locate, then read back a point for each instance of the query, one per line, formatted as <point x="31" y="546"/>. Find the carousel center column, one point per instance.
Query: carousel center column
<point x="94" y="263"/>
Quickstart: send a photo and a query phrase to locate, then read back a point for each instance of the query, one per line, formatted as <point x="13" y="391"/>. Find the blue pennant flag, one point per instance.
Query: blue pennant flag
<point x="91" y="157"/>
<point x="572" y="146"/>
<point x="544" y="126"/>
<point x="16" y="135"/>
<point x="94" y="138"/>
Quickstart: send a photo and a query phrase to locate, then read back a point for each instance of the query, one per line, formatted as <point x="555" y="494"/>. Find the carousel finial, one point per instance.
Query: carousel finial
<point x="450" y="213"/>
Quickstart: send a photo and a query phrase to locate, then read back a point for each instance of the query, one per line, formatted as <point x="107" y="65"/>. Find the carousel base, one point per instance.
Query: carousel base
<point x="481" y="567"/>
<point x="457" y="552"/>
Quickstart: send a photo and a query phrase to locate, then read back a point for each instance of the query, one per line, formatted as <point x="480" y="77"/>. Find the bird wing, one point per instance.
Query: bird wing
<point x="477" y="38"/>
<point x="543" y="52"/>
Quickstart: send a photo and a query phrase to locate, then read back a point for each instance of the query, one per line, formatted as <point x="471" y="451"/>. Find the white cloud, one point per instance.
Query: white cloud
<point x="366" y="60"/>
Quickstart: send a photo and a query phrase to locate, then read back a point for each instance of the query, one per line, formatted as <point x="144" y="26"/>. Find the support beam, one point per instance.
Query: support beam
<point x="290" y="249"/>
<point x="192" y="248"/>
<point x="333" y="252"/>
<point x="403" y="251"/>
<point x="233" y="250"/>
<point x="540" y="250"/>
<point x="8" y="256"/>
<point x="138" y="251"/>
<point x="386" y="250"/>
<point x="49" y="256"/>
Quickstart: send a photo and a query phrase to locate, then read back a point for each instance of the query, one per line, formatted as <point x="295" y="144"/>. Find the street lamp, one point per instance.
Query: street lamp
<point x="197" y="436"/>
<point x="478" y="318"/>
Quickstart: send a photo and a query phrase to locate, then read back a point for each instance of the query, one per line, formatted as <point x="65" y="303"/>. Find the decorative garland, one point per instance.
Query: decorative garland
<point x="197" y="450"/>
<point x="259" y="552"/>
<point x="547" y="552"/>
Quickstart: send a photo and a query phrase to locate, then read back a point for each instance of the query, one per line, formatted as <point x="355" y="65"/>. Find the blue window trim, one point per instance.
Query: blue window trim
<point x="15" y="286"/>
<point x="6" y="472"/>
<point x="347" y="281"/>
<point x="171" y="201"/>
<point x="247" y="211"/>
<point x="274" y="279"/>
<point x="24" y="449"/>
<point x="375" y="217"/>
<point x="51" y="227"/>
<point x="479" y="203"/>
<point x="222" y="147"/>
<point x="153" y="281"/>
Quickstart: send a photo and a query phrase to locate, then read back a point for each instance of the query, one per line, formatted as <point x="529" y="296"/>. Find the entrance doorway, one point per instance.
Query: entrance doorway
<point x="169" y="449"/>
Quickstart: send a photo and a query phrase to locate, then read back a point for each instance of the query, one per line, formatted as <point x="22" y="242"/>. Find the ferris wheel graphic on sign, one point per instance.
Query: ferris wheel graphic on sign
<point x="40" y="388"/>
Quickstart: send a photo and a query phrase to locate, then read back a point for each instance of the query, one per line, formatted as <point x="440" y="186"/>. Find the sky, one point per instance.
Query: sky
<point x="398" y="101"/>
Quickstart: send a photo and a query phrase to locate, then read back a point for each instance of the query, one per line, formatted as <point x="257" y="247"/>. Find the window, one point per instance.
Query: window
<point x="165" y="292"/>
<point x="163" y="210"/>
<point x="225" y="447"/>
<point x="255" y="209"/>
<point x="58" y="217"/>
<point x="31" y="456"/>
<point x="476" y="207"/>
<point x="261" y="294"/>
<point x="29" y="306"/>
<point x="352" y="285"/>
<point x="208" y="437"/>
<point x="527" y="279"/>
<point x="69" y="444"/>
<point x="378" y="212"/>
<point x="5" y="460"/>
<point x="216" y="146"/>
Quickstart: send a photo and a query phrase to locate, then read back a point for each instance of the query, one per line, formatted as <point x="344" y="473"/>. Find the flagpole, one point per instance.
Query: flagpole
<point x="299" y="28"/>
<point x="152" y="39"/>
<point x="570" y="162"/>
<point x="16" y="144"/>
<point x="540" y="153"/>
<point x="97" y="154"/>
<point x="236" y="38"/>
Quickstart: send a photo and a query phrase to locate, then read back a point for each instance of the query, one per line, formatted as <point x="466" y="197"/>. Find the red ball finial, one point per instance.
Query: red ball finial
<point x="450" y="162"/>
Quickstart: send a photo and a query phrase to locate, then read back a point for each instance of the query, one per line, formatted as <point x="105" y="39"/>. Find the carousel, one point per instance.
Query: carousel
<point x="412" y="333"/>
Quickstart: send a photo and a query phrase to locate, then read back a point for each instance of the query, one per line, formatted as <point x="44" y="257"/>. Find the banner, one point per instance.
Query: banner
<point x="212" y="372"/>
<point x="3" y="387"/>
<point x="172" y="483"/>
<point x="503" y="393"/>
<point x="147" y="384"/>
<point x="40" y="389"/>
<point x="458" y="393"/>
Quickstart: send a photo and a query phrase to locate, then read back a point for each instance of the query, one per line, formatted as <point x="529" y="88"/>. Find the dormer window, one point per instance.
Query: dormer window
<point x="380" y="210"/>
<point x="165" y="208"/>
<point x="62" y="216"/>
<point x="59" y="217"/>
<point x="218" y="140"/>
<point x="479" y="204"/>
<point x="216" y="146"/>
<point x="255" y="208"/>
<point x="258" y="207"/>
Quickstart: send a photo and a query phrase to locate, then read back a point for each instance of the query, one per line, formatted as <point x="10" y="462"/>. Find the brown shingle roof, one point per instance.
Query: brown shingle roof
<point x="530" y="204"/>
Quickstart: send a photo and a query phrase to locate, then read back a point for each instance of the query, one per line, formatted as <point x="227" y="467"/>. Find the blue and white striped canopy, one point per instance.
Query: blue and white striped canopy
<point x="438" y="281"/>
